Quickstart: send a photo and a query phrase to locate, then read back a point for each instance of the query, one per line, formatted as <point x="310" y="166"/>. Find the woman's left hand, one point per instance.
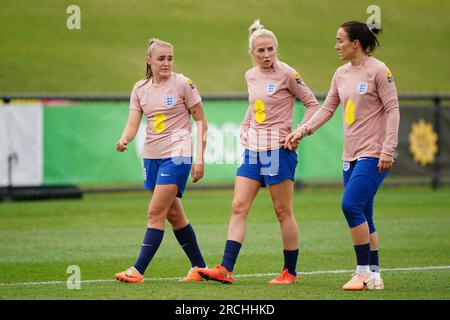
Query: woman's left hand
<point x="385" y="162"/>
<point x="198" y="170"/>
<point x="292" y="140"/>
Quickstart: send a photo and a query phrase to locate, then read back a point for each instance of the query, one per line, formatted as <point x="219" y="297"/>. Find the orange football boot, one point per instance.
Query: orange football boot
<point x="130" y="275"/>
<point x="219" y="273"/>
<point x="284" y="278"/>
<point x="192" y="276"/>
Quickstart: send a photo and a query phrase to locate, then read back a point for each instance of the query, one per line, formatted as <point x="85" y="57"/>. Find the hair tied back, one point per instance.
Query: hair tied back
<point x="256" y="25"/>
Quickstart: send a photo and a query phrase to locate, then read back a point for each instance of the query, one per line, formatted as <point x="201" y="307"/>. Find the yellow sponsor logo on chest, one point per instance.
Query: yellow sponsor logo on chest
<point x="349" y="112"/>
<point x="260" y="115"/>
<point x="158" y="122"/>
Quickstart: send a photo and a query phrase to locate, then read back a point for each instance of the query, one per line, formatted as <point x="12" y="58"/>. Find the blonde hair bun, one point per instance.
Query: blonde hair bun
<point x="257" y="30"/>
<point x="256" y="25"/>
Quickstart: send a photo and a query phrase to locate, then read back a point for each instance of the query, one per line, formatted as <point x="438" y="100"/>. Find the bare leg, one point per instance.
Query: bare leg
<point x="282" y="203"/>
<point x="373" y="241"/>
<point x="245" y="190"/>
<point x="162" y="199"/>
<point x="360" y="234"/>
<point x="176" y="215"/>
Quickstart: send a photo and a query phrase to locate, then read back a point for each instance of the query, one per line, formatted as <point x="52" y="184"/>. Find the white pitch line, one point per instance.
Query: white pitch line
<point x="236" y="276"/>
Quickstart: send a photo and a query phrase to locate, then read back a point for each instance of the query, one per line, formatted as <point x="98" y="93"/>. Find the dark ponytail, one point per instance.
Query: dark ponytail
<point x="365" y="35"/>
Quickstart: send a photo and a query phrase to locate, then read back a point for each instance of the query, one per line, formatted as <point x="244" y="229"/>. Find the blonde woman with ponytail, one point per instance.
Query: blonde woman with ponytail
<point x="167" y="100"/>
<point x="273" y="87"/>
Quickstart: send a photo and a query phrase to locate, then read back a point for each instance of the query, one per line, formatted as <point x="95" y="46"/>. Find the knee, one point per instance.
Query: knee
<point x="239" y="207"/>
<point x="177" y="219"/>
<point x="282" y="211"/>
<point x="172" y="216"/>
<point x="347" y="206"/>
<point x="352" y="211"/>
<point x="156" y="216"/>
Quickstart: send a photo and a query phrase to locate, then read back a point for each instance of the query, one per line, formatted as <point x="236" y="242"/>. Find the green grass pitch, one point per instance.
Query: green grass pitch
<point x="101" y="234"/>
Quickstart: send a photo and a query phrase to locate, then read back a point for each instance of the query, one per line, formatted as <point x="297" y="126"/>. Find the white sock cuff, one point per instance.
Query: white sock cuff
<point x="363" y="269"/>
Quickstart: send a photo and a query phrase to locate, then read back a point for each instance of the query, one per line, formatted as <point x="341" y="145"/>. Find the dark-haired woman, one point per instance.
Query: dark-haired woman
<point x="167" y="100"/>
<point x="366" y="89"/>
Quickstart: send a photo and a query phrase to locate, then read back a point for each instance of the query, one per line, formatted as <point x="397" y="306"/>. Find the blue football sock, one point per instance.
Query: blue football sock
<point x="374" y="264"/>
<point x="188" y="241"/>
<point x="150" y="245"/>
<point x="362" y="254"/>
<point x="230" y="254"/>
<point x="290" y="260"/>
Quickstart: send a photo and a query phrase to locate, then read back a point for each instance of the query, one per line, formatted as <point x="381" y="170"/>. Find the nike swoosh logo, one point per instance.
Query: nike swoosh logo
<point x="146" y="245"/>
<point x="184" y="245"/>
<point x="129" y="276"/>
<point x="165" y="175"/>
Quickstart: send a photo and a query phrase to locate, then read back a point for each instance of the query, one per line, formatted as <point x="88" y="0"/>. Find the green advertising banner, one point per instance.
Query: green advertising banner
<point x="79" y="145"/>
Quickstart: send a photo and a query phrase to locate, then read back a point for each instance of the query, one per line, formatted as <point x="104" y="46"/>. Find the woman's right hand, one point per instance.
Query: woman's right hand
<point x="244" y="137"/>
<point x="121" y="145"/>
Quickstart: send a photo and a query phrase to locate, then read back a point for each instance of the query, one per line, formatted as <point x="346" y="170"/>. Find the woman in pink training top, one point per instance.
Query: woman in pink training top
<point x="167" y="100"/>
<point x="273" y="87"/>
<point x="365" y="88"/>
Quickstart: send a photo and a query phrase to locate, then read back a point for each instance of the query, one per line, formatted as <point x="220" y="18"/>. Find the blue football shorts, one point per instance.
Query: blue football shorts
<point x="167" y="171"/>
<point x="268" y="167"/>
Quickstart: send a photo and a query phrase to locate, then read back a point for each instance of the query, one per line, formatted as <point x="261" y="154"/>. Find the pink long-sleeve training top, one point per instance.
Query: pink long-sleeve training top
<point x="370" y="109"/>
<point x="166" y="107"/>
<point x="272" y="95"/>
